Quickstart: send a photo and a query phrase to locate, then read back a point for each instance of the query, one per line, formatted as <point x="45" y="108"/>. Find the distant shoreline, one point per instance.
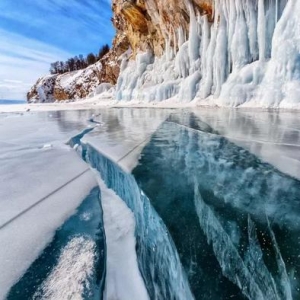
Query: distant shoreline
<point x="11" y="102"/>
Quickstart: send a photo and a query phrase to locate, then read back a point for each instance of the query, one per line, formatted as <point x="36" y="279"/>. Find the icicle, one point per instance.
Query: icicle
<point x="167" y="49"/>
<point x="261" y="30"/>
<point x="251" y="19"/>
<point x="207" y="77"/>
<point x="182" y="62"/>
<point x="194" y="39"/>
<point x="174" y="41"/>
<point x="220" y="57"/>
<point x="240" y="44"/>
<point x="181" y="36"/>
<point x="281" y="84"/>
<point x="205" y="42"/>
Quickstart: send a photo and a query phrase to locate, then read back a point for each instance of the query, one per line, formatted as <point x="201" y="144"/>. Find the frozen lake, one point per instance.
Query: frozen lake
<point x="140" y="203"/>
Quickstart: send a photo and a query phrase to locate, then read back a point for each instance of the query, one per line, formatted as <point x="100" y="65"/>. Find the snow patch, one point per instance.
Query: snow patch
<point x="70" y="278"/>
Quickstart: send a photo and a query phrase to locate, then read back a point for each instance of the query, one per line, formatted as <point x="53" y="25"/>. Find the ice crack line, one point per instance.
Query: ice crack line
<point x="42" y="199"/>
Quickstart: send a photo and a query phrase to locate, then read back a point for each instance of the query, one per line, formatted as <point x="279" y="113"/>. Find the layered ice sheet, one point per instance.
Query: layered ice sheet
<point x="248" y="56"/>
<point x="73" y="264"/>
<point x="156" y="254"/>
<point x="42" y="183"/>
<point x="123" y="133"/>
<point x="233" y="218"/>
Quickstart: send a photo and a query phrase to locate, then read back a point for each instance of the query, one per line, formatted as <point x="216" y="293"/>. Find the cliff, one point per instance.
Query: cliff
<point x="75" y="85"/>
<point x="149" y="24"/>
<point x="140" y="26"/>
<point x="209" y="52"/>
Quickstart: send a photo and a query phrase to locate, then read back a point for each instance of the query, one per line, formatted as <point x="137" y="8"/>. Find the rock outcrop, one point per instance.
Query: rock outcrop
<point x="149" y="23"/>
<point x="43" y="89"/>
<point x="74" y="85"/>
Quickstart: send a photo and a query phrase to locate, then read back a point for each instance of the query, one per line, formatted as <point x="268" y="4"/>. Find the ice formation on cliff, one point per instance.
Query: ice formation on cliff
<point x="248" y="56"/>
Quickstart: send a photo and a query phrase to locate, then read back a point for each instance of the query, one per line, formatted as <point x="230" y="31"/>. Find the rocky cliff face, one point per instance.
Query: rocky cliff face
<point x="149" y="23"/>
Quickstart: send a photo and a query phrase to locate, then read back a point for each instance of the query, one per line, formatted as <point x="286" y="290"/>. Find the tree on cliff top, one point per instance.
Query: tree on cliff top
<point x="77" y="62"/>
<point x="91" y="59"/>
<point x="103" y="50"/>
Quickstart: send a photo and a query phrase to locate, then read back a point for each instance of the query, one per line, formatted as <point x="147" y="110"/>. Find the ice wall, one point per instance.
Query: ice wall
<point x="158" y="259"/>
<point x="281" y="83"/>
<point x="249" y="55"/>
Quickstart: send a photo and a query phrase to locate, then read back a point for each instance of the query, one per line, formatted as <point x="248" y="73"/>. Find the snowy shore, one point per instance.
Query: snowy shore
<point x="98" y="102"/>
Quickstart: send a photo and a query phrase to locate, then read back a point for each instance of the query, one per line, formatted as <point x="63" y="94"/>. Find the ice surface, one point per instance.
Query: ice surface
<point x="73" y="264"/>
<point x="201" y="215"/>
<point x="25" y="237"/>
<point x="246" y="210"/>
<point x="272" y="136"/>
<point x="124" y="133"/>
<point x="123" y="278"/>
<point x="39" y="189"/>
<point x="227" y="255"/>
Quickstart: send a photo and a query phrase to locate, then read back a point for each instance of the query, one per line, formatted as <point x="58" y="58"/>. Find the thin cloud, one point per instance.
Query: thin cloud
<point x="35" y="33"/>
<point x="27" y="60"/>
<point x="13" y="81"/>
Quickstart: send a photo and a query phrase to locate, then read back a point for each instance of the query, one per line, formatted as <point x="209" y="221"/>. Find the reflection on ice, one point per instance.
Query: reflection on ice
<point x="274" y="136"/>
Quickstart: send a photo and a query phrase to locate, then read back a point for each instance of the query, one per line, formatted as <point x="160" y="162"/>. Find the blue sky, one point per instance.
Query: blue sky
<point x="34" y="33"/>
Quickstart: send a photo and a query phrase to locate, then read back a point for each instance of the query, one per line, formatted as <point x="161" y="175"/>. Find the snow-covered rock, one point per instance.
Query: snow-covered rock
<point x="71" y="85"/>
<point x="43" y="90"/>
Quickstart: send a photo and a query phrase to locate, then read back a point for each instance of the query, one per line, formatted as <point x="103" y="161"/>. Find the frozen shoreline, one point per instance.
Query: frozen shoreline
<point x="96" y="103"/>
